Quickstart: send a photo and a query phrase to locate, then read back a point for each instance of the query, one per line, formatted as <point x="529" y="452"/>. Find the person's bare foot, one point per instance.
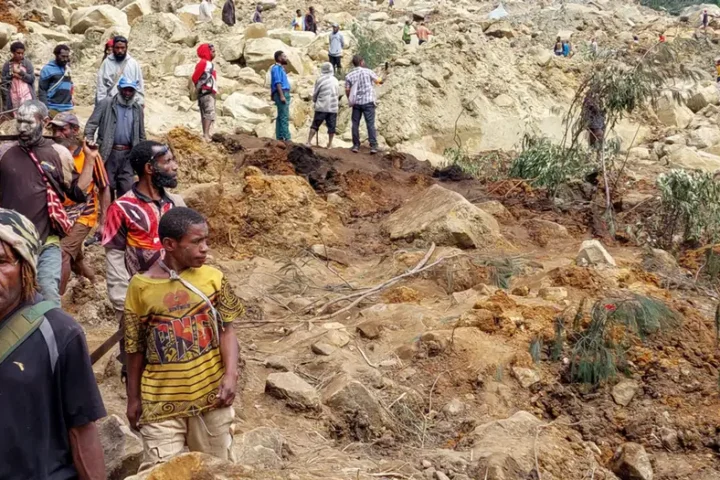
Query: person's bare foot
<point x="86" y="271"/>
<point x="207" y="139"/>
<point x="329" y="145"/>
<point x="308" y="144"/>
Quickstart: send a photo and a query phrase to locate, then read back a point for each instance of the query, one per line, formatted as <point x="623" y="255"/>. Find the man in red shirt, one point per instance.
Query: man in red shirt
<point x="130" y="236"/>
<point x="205" y="80"/>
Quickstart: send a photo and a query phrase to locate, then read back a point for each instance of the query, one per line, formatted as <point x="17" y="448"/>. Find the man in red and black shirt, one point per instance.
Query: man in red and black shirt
<point x="130" y="235"/>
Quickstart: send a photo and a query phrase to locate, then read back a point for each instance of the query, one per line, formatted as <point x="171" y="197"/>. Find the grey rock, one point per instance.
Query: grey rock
<point x="631" y="462"/>
<point x="624" y="392"/>
<point x="592" y="252"/>
<point x="278" y="362"/>
<point x="441" y="476"/>
<point x="123" y="450"/>
<point x="296" y="392"/>
<point x="454" y="407"/>
<point x="351" y="400"/>
<point x="322" y="348"/>
<point x="262" y="447"/>
<point x="526" y="376"/>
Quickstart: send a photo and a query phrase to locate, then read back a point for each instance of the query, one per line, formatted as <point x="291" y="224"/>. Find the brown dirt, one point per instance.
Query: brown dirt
<point x="7" y="16"/>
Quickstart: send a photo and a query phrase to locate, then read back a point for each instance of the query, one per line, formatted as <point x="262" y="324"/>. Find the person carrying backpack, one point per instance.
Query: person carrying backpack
<point x="205" y="80"/>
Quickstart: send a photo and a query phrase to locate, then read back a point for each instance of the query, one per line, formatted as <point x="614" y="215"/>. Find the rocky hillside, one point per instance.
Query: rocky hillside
<point x="411" y="321"/>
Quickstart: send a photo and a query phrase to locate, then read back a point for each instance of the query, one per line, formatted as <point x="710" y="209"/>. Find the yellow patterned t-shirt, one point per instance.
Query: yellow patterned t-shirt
<point x="173" y="327"/>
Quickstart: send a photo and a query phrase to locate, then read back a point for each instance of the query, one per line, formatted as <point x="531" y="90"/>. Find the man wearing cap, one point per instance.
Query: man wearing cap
<point x="36" y="176"/>
<point x="337" y="43"/>
<point x="66" y="132"/>
<point x="48" y="394"/>
<point x="119" y="123"/>
<point x="119" y="65"/>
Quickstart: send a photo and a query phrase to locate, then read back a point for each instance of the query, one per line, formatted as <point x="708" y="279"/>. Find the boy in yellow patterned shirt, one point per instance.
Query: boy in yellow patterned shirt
<point x="181" y="346"/>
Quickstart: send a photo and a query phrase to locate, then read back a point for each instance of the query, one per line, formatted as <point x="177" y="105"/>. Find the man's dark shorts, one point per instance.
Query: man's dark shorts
<point x="330" y="120"/>
<point x="335" y="61"/>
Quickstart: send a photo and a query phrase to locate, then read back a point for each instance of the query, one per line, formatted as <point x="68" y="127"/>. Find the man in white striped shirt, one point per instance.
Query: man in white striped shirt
<point x="325" y="96"/>
<point x="361" y="97"/>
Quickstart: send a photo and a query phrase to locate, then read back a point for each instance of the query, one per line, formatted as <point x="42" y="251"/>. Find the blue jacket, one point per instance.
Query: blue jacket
<point x="55" y="88"/>
<point x="278" y="75"/>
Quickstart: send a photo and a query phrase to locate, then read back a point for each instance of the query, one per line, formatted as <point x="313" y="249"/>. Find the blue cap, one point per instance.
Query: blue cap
<point x="125" y="83"/>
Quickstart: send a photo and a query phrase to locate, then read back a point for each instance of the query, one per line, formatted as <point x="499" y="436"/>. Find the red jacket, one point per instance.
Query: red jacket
<point x="205" y="55"/>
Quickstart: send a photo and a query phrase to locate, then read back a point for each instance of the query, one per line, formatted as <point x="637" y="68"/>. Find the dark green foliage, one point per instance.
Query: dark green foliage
<point x="375" y="51"/>
<point x="674" y="7"/>
<point x="599" y="350"/>
<point x="549" y="165"/>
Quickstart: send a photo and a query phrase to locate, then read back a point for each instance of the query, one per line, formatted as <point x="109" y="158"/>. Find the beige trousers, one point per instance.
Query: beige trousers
<point x="210" y="432"/>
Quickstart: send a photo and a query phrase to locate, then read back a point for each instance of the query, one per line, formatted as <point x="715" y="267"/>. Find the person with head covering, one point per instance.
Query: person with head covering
<point x="55" y="88"/>
<point x="48" y="394"/>
<point x="337" y="43"/>
<point x="325" y="97"/>
<point x="119" y="65"/>
<point x="18" y="78"/>
<point x="257" y="16"/>
<point x="228" y="13"/>
<point x="205" y="81"/>
<point x="108" y="49"/>
<point x="36" y="176"/>
<point x="66" y="132"/>
<point x="116" y="125"/>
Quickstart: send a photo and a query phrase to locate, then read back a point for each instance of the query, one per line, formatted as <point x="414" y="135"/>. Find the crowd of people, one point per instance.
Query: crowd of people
<point x="178" y="351"/>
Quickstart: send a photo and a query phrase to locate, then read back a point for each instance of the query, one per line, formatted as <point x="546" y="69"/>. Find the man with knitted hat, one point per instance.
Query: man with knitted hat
<point x="48" y="394"/>
<point x="116" y="125"/>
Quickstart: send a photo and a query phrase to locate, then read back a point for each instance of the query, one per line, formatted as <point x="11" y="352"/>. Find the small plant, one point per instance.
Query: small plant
<point x="549" y="165"/>
<point x="558" y="342"/>
<point x="502" y="270"/>
<point x="690" y="207"/>
<point x="375" y="51"/>
<point x="536" y="347"/>
<point x="499" y="372"/>
<point x="599" y="350"/>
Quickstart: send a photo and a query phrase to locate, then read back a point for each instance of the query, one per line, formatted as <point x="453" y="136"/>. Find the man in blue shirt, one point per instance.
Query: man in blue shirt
<point x="55" y="88"/>
<point x="280" y="93"/>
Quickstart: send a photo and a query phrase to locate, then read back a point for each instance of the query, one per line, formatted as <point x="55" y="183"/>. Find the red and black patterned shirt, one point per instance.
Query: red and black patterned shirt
<point x="132" y="225"/>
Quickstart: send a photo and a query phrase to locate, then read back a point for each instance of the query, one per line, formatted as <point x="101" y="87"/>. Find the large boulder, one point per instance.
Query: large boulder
<point x="247" y="109"/>
<point x="702" y="98"/>
<point x="501" y="29"/>
<point x="704" y="137"/>
<point x="259" y="55"/>
<point x="232" y="47"/>
<point x="631" y="462"/>
<point x="123" y="450"/>
<point x="293" y="38"/>
<point x="57" y="36"/>
<point x="167" y="26"/>
<point x="296" y="392"/>
<point x="103" y="16"/>
<point x="196" y="465"/>
<point x="343" y="19"/>
<point x="255" y="30"/>
<point x="511" y="437"/>
<point x="6" y="31"/>
<point x="444" y="217"/>
<point x="672" y="113"/>
<point x="686" y="157"/>
<point x="137" y="9"/>
<point x="268" y="4"/>
<point x="60" y="16"/>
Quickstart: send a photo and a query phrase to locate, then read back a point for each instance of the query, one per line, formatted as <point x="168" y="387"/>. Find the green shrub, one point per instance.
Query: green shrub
<point x="375" y="51"/>
<point x="690" y="206"/>
<point x="549" y="165"/>
<point x="489" y="166"/>
<point x="674" y="7"/>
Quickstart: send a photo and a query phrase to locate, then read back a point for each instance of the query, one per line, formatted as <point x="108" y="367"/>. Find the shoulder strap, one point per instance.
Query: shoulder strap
<point x="119" y="74"/>
<point x="21" y="325"/>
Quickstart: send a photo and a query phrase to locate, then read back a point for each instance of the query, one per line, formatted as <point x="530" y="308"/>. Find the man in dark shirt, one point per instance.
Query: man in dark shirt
<point x="119" y="123"/>
<point x="24" y="189"/>
<point x="48" y="395"/>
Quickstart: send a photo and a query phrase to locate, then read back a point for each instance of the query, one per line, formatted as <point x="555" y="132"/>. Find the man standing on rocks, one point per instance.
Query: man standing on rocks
<point x="48" y="394"/>
<point x="181" y="346"/>
<point x="66" y="132"/>
<point x="361" y="97"/>
<point x="130" y="236"/>
<point x="205" y="80"/>
<point x="55" y="88"/>
<point x="337" y="43"/>
<point x="280" y="94"/>
<point x="298" y="22"/>
<point x="228" y="13"/>
<point x="407" y="32"/>
<point x="257" y="16"/>
<point x="119" y="122"/>
<point x="311" y="21"/>
<point x="423" y="33"/>
<point x="119" y="65"/>
<point x="36" y="175"/>
<point x="325" y="96"/>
